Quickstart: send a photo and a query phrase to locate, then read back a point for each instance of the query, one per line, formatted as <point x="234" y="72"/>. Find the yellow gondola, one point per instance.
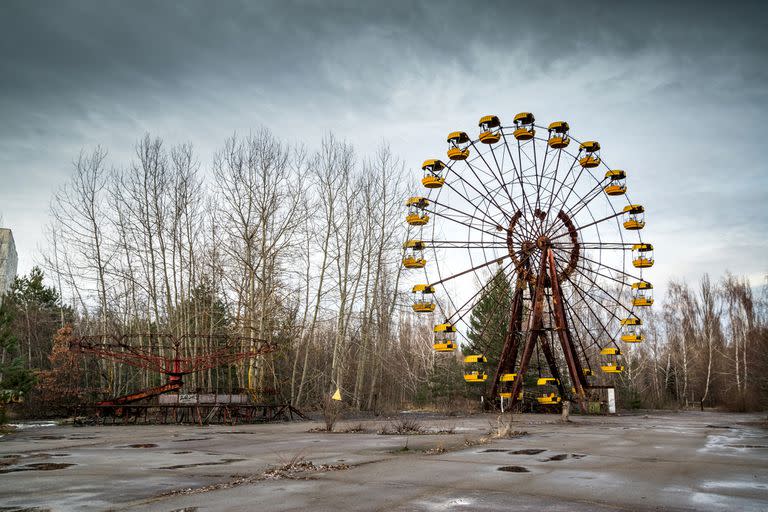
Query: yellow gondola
<point x="432" y="173"/>
<point x="548" y="398"/>
<point x="631" y="330"/>
<point x="457" y="145"/>
<point x="475" y="376"/>
<point x="618" y="184"/>
<point x="524" y="129"/>
<point x="610" y="362"/>
<point x="642" y="255"/>
<point x="587" y="372"/>
<point x="490" y="129"/>
<point x="558" y="135"/>
<point x="634" y="217"/>
<point x="475" y="371"/>
<point x="445" y="338"/>
<point x="416" y="215"/>
<point x="413" y="257"/>
<point x="642" y="294"/>
<point x="591" y="156"/>
<point x="422" y="301"/>
<point x="507" y="377"/>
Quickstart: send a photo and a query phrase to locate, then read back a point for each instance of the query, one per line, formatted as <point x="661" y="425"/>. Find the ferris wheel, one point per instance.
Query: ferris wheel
<point x="542" y="212"/>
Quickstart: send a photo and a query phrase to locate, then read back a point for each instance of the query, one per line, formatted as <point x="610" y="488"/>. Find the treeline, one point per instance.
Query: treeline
<point x="268" y="241"/>
<point x="706" y="345"/>
<point x="302" y="248"/>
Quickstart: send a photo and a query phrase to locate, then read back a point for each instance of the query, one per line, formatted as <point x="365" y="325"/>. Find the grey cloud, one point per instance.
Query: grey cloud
<point x="77" y="73"/>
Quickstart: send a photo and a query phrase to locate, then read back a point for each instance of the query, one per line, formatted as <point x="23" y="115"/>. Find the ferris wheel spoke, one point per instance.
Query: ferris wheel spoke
<point x="618" y="281"/>
<point x="561" y="183"/>
<point x="584" y="293"/>
<point x="609" y="217"/>
<point x="475" y="295"/>
<point x="488" y="194"/>
<point x="571" y="189"/>
<point x="477" y="267"/>
<point x="575" y="316"/>
<point x="593" y="194"/>
<point x="518" y="172"/>
<point x="622" y="246"/>
<point x="463" y="244"/>
<point x="597" y="318"/>
<point x="600" y="264"/>
<point x="571" y="316"/>
<point x="500" y="180"/>
<point x="468" y="225"/>
<point x="540" y="178"/>
<point x="594" y="282"/>
<point x="484" y="213"/>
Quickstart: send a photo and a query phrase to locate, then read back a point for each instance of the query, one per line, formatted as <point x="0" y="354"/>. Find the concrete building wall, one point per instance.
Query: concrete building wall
<point x="9" y="260"/>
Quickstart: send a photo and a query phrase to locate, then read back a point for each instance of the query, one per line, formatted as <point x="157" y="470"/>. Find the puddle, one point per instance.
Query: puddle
<point x="529" y="451"/>
<point x="514" y="469"/>
<point x="734" y="484"/>
<point x="735" y="441"/>
<point x="219" y="463"/>
<point x="32" y="424"/>
<point x="24" y="509"/>
<point x="40" y="466"/>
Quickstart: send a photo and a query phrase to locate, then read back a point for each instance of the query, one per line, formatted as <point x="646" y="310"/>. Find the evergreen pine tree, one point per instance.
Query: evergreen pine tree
<point x="489" y="320"/>
<point x="15" y="380"/>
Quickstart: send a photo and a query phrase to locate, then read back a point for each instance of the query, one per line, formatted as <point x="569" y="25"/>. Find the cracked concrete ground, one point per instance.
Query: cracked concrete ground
<point x="657" y="461"/>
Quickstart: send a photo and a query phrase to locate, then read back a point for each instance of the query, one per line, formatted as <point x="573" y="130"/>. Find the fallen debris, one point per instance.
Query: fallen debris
<point x="298" y="470"/>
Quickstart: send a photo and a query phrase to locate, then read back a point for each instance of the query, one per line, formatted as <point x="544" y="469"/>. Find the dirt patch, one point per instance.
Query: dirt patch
<point x="182" y="453"/>
<point x="299" y="470"/>
<point x="559" y="456"/>
<point x="24" y="509"/>
<point x="528" y="451"/>
<point x="717" y="426"/>
<point x="191" y="439"/>
<point x="40" y="466"/>
<point x="217" y="463"/>
<point x="514" y="469"/>
<point x="48" y="438"/>
<point x="493" y="450"/>
<point x="142" y="445"/>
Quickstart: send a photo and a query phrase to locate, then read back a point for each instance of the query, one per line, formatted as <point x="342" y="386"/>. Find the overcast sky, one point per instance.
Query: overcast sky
<point x="676" y="94"/>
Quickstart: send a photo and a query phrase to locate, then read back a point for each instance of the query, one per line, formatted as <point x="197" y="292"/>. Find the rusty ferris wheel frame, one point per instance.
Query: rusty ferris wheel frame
<point x="557" y="221"/>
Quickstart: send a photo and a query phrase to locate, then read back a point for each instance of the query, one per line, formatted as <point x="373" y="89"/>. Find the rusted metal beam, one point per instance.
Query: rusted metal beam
<point x="578" y="378"/>
<point x="534" y="330"/>
<point x="511" y="340"/>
